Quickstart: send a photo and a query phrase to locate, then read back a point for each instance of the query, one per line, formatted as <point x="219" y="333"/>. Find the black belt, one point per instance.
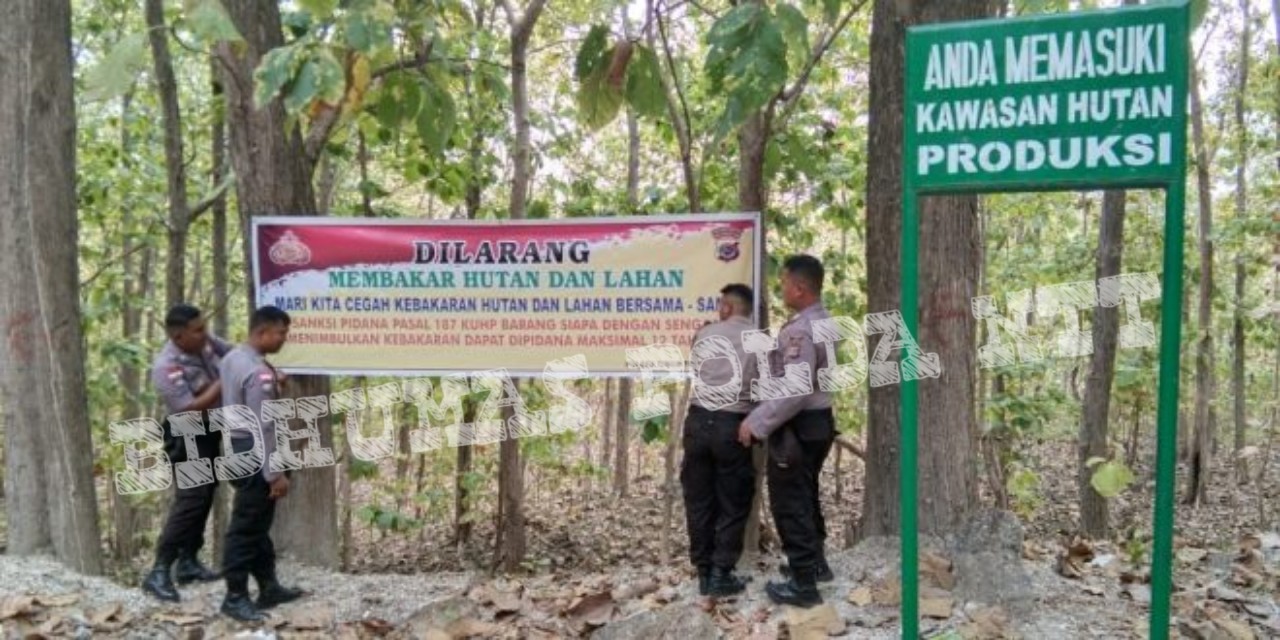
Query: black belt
<point x="695" y="409"/>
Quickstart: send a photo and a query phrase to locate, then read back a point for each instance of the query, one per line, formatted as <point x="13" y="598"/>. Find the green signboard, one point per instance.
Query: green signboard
<point x="1085" y="100"/>
<point x="1061" y="101"/>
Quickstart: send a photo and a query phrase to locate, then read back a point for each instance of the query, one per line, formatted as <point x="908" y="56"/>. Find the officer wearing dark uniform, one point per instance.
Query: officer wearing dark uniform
<point x="800" y="431"/>
<point x="250" y="380"/>
<point x="185" y="374"/>
<point x="715" y="473"/>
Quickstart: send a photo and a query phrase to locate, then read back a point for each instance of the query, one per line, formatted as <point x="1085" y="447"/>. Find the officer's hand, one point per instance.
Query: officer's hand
<point x="744" y="434"/>
<point x="279" y="487"/>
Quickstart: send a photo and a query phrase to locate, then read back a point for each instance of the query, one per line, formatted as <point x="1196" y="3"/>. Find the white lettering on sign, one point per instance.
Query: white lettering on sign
<point x="1118" y="51"/>
<point x="960" y="65"/>
<point x="1064" y="154"/>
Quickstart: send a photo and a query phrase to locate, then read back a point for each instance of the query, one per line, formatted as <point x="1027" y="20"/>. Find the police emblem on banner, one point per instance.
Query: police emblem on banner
<point x="727" y="239"/>
<point x="289" y="250"/>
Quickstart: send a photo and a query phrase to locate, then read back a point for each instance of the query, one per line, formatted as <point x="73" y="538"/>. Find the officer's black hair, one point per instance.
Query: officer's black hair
<point x="179" y="316"/>
<point x="808" y="269"/>
<point x="741" y="292"/>
<point x="268" y="315"/>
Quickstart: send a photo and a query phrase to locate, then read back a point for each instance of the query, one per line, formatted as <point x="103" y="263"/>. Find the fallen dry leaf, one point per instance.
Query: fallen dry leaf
<point x="470" y="628"/>
<point x="314" y="618"/>
<point x="595" y="610"/>
<point x="377" y="626"/>
<point x="1192" y="555"/>
<point x="64" y="600"/>
<point x="887" y="593"/>
<point x="937" y="570"/>
<point x="1234" y="629"/>
<point x="1137" y="592"/>
<point x="506" y="601"/>
<point x="1094" y="590"/>
<point x="987" y="623"/>
<point x="939" y="608"/>
<point x="1072" y="562"/>
<point x="632" y="590"/>
<point x="109" y="617"/>
<point x="814" y="623"/>
<point x="179" y="618"/>
<point x="15" y="606"/>
<point x="860" y="597"/>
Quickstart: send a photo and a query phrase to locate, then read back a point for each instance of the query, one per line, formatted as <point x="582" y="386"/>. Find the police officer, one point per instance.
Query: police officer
<point x="250" y="380"/>
<point x="800" y="431"/>
<point x="185" y="374"/>
<point x="715" y="473"/>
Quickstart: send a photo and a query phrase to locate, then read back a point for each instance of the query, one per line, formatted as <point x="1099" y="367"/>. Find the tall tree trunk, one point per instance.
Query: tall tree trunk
<point x="1242" y="161"/>
<point x="221" y="298"/>
<point x="1201" y="446"/>
<point x="50" y="500"/>
<point x="171" y="120"/>
<point x="609" y="415"/>
<point x="949" y="255"/>
<point x="273" y="177"/>
<point x="1096" y="407"/>
<point x="510" y="473"/>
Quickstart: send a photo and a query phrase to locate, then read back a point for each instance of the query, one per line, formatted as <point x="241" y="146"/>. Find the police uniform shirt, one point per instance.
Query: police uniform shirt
<point x="715" y="372"/>
<point x="795" y="346"/>
<point x="179" y="376"/>
<point x="247" y="379"/>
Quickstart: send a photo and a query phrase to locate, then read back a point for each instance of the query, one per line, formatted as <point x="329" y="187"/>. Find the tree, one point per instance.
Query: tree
<point x="1242" y="161"/>
<point x="949" y="256"/>
<point x="1201" y="444"/>
<point x="50" y="496"/>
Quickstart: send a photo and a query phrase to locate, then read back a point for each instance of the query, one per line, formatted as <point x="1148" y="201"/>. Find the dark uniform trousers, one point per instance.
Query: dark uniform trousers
<point x="184" y="529"/>
<point x="719" y="483"/>
<point x="797" y="451"/>
<point x="249" y="550"/>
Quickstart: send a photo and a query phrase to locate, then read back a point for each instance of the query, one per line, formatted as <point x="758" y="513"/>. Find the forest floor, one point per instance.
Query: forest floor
<point x="599" y="571"/>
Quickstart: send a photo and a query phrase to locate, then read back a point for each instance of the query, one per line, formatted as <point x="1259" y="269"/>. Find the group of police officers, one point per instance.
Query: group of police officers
<point x="196" y="371"/>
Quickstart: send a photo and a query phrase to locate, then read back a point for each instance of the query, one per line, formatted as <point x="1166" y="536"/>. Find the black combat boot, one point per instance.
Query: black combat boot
<point x="189" y="569"/>
<point x="237" y="603"/>
<point x="824" y="573"/>
<point x="724" y="583"/>
<point x="704" y="579"/>
<point x="800" y="591"/>
<point x="271" y="592"/>
<point x="159" y="584"/>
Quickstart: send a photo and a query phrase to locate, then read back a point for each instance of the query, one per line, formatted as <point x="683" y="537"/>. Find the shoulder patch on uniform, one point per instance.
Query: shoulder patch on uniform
<point x="175" y="373"/>
<point x="266" y="375"/>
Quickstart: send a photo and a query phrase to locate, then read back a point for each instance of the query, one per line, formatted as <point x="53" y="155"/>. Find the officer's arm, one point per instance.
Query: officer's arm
<point x="258" y="388"/>
<point x="171" y="384"/>
<point x="797" y="348"/>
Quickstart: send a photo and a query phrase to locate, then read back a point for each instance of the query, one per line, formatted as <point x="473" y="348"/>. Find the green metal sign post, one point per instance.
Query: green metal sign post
<point x="1076" y="101"/>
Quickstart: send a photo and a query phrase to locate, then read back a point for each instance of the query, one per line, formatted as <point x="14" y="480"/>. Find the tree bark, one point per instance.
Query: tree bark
<point x="950" y="253"/>
<point x="171" y="120"/>
<point x="622" y="438"/>
<point x="510" y="475"/>
<point x="50" y="500"/>
<point x="1096" y="408"/>
<point x="1201" y="445"/>
<point x="1242" y="161"/>
<point x="273" y="177"/>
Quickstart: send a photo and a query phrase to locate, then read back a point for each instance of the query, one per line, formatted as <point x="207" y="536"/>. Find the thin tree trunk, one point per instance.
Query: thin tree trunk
<point x="610" y="415"/>
<point x="50" y="497"/>
<point x="1242" y="161"/>
<point x="171" y="120"/>
<point x="670" y="484"/>
<point x="273" y="177"/>
<point x="1096" y="408"/>
<point x="622" y="438"/>
<point x="510" y="475"/>
<point x="1201" y="449"/>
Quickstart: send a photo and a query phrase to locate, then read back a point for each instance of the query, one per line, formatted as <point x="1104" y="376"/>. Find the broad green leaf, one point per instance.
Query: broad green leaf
<point x="112" y="76"/>
<point x="400" y="101"/>
<point x="749" y="60"/>
<point x="644" y="84"/>
<point x="591" y="56"/>
<point x="830" y="11"/>
<point x="598" y="102"/>
<point x="210" y="22"/>
<point x="795" y="32"/>
<point x="437" y="118"/>
<point x="330" y="77"/>
<point x="320" y="9"/>
<point x="272" y="74"/>
<point x="1096" y="460"/>
<point x="1111" y="478"/>
<point x="365" y="32"/>
<point x="304" y="88"/>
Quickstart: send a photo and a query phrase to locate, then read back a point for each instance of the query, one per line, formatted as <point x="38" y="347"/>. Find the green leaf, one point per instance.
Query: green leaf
<point x="364" y="32"/>
<point x="367" y="513"/>
<point x="830" y="11"/>
<point x="437" y="118"/>
<point x="303" y="88"/>
<point x="748" y="59"/>
<point x="795" y="32"/>
<point x="1111" y="478"/>
<point x="210" y="22"/>
<point x="644" y="84"/>
<point x="401" y="99"/>
<point x="331" y="78"/>
<point x="319" y="9"/>
<point x="1096" y="460"/>
<point x="598" y="102"/>
<point x="654" y="429"/>
<point x="112" y="76"/>
<point x="591" y="56"/>
<point x="385" y="520"/>
<point x="272" y="74"/>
